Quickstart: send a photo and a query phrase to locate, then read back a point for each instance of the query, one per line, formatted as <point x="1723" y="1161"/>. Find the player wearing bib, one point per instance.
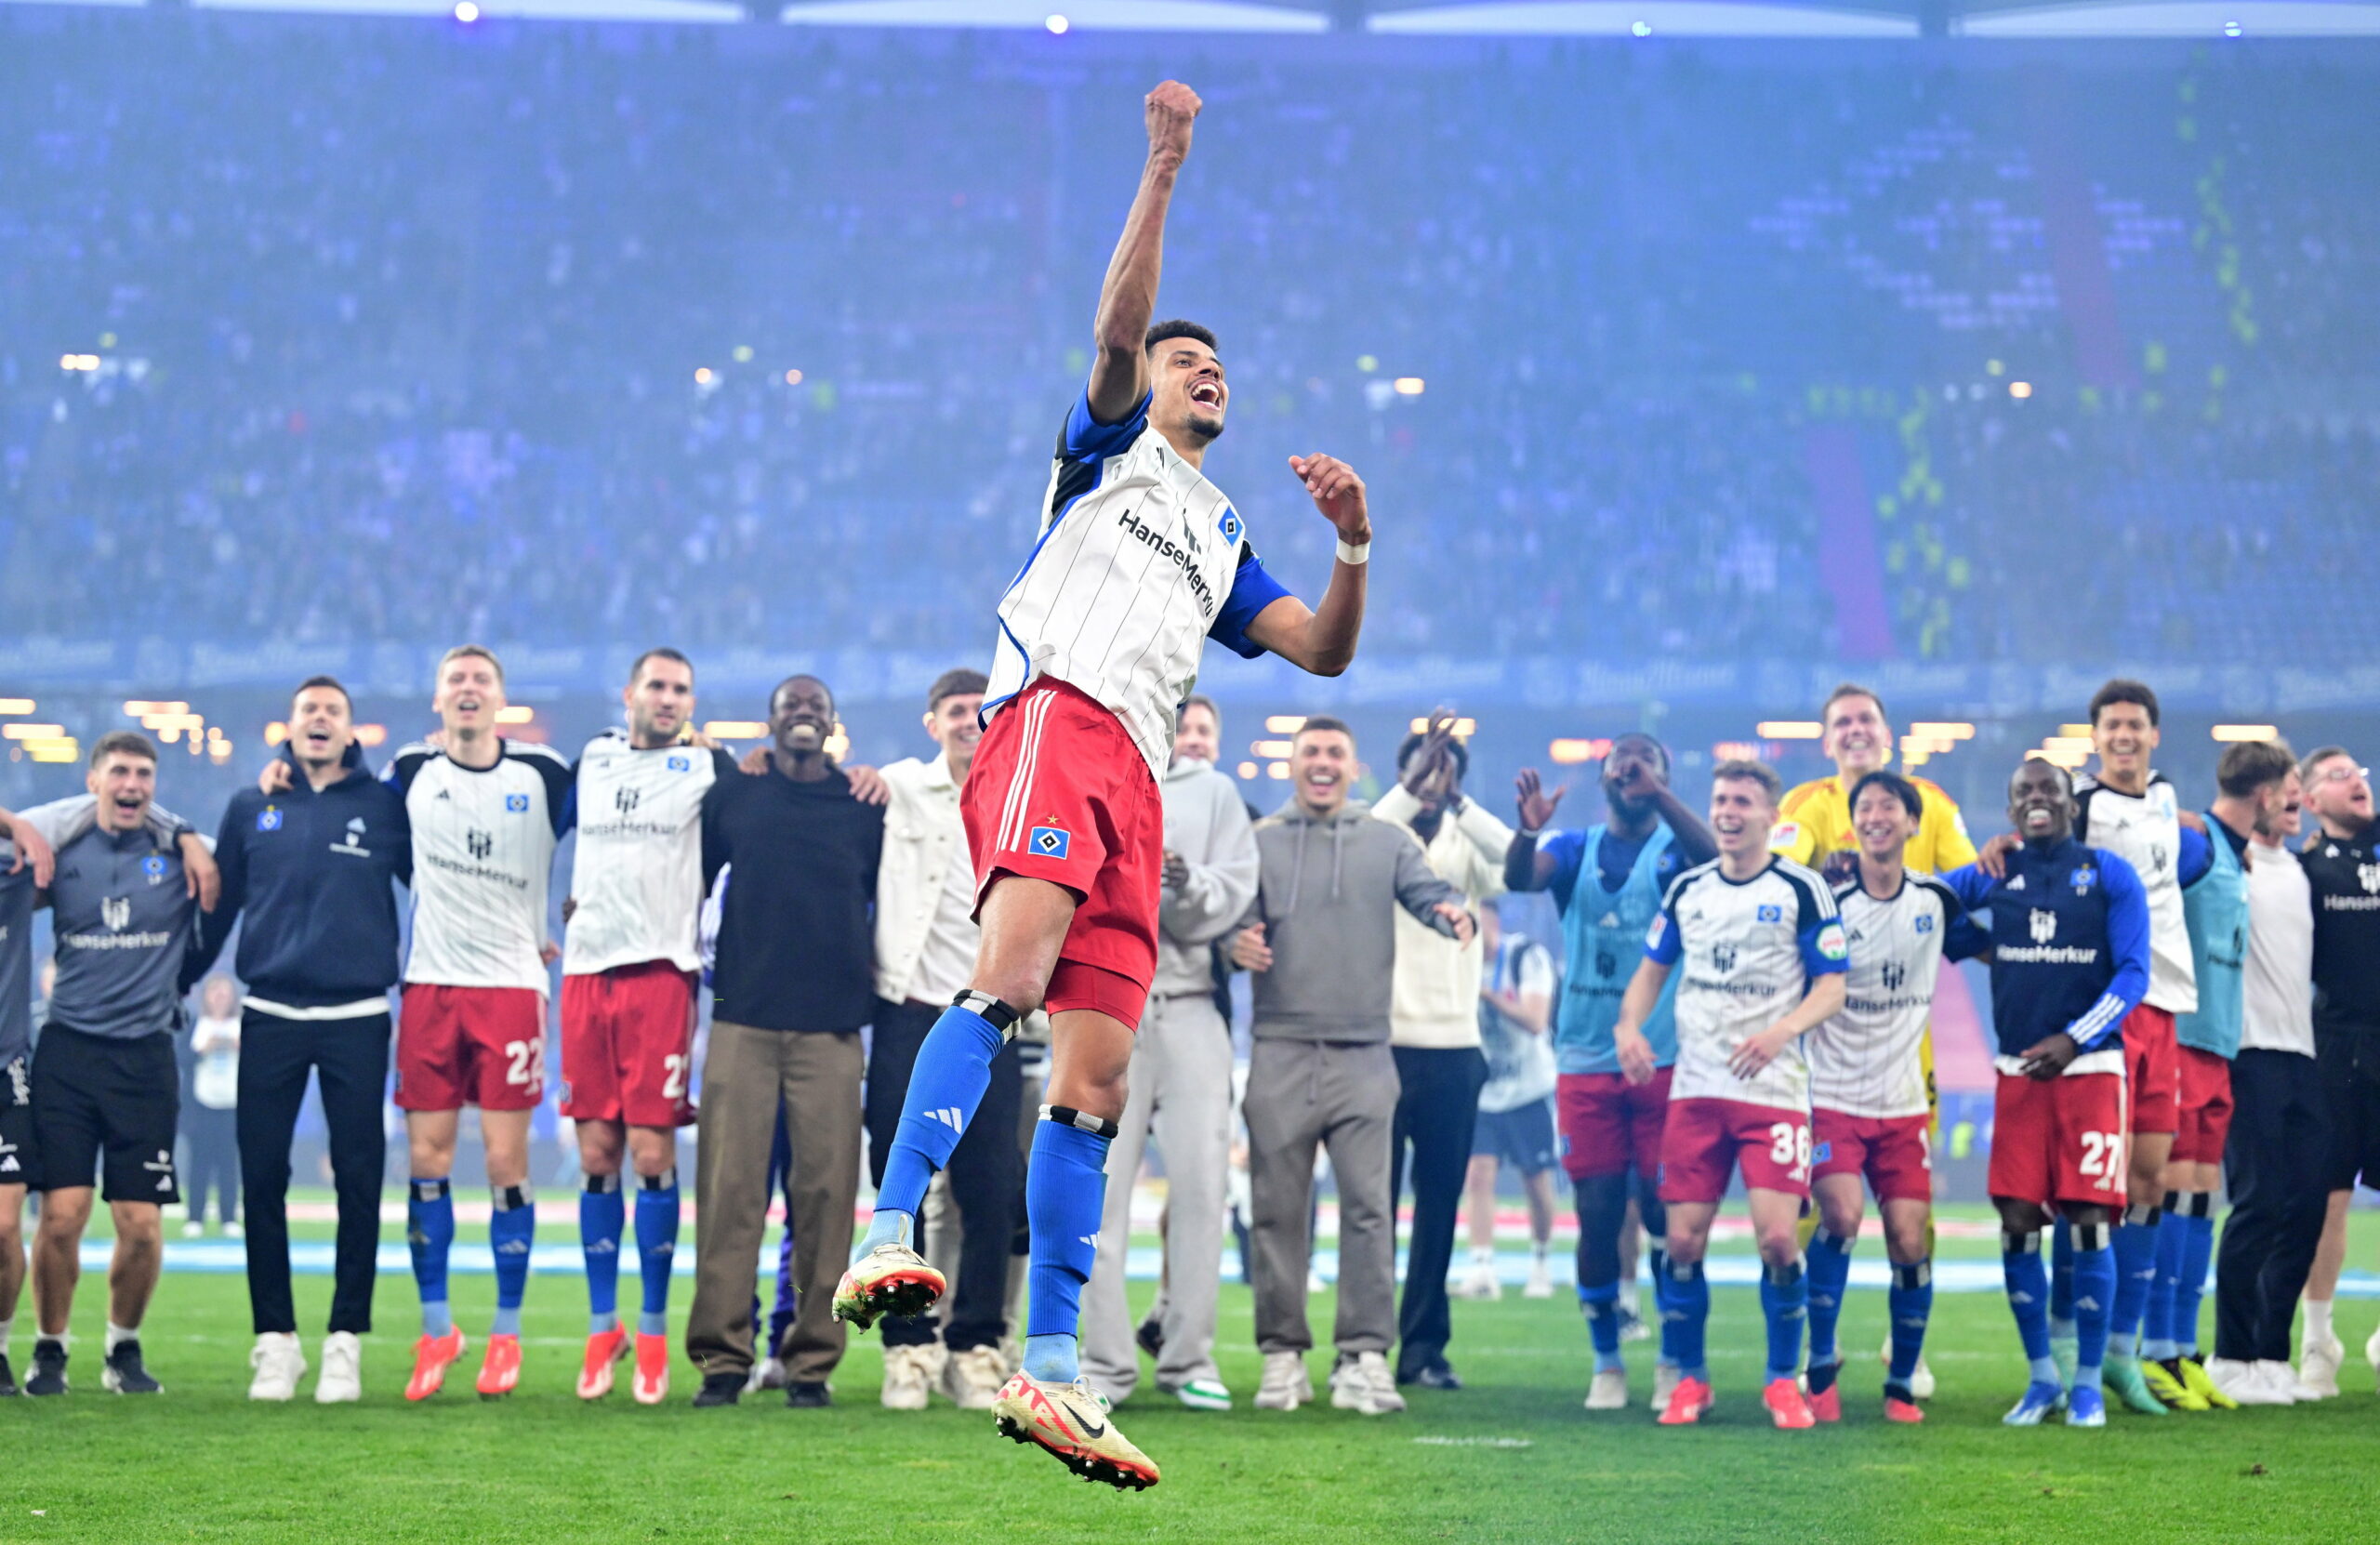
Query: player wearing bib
<point x="2069" y="958"/>
<point x="1137" y="561"/>
<point x="1607" y="883"/>
<point x="1868" y="1107"/>
<point x="1764" y="960"/>
<point x="629" y="986"/>
<point x="485" y="813"/>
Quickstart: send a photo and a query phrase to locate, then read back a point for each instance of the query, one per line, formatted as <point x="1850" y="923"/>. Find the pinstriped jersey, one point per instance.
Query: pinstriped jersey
<point x="482" y="850"/>
<point x="1865" y="1061"/>
<point x="2145" y="830"/>
<point x="1138" y="562"/>
<point x="638" y="876"/>
<point x="1745" y="952"/>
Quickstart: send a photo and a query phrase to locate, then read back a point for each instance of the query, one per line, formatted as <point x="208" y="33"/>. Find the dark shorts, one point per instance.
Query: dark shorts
<point x="1522" y="1137"/>
<point x="2347" y="1061"/>
<point x="19" y="1148"/>
<point x="107" y="1105"/>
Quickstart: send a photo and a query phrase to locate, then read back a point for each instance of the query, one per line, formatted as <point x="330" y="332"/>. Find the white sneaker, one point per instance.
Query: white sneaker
<point x="2245" y="1382"/>
<point x="279" y="1362"/>
<point x="195" y="1229"/>
<point x="909" y="1375"/>
<point x="767" y="1374"/>
<point x="1609" y="1390"/>
<point x="1480" y="1282"/>
<point x="1286" y="1386"/>
<point x="972" y="1378"/>
<point x="235" y="1230"/>
<point x="2319" y="1364"/>
<point x="1665" y="1378"/>
<point x="2372" y="1353"/>
<point x="2281" y="1379"/>
<point x="342" y="1378"/>
<point x="1363" y="1384"/>
<point x="1541" y="1280"/>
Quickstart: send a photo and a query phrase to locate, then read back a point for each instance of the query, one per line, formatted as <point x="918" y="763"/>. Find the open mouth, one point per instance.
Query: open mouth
<point x="2040" y="817"/>
<point x="317" y="738"/>
<point x="1208" y="394"/>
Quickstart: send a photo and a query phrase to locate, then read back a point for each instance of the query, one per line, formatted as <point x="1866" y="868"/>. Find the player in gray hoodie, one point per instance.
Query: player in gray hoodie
<point x="1322" y="942"/>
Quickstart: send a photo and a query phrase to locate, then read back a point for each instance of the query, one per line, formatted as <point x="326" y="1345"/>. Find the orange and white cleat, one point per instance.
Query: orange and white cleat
<point x="1783" y="1398"/>
<point x="603" y="1349"/>
<point x="500" y="1368"/>
<point x="433" y="1356"/>
<point x="1689" y="1402"/>
<point x="650" y="1381"/>
<point x="890" y="1279"/>
<point x="1901" y="1411"/>
<point x="1827" y="1405"/>
<point x="1071" y="1423"/>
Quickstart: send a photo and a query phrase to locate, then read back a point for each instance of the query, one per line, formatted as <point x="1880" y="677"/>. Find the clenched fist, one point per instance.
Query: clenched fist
<point x="1171" y="110"/>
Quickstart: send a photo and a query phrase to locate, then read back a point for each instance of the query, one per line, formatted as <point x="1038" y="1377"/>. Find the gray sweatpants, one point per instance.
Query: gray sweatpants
<point x="1343" y="1097"/>
<point x="1180" y="1092"/>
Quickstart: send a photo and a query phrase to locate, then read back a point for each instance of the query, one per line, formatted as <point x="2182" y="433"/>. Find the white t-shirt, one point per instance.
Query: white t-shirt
<point x="215" y="1077"/>
<point x="638" y="878"/>
<point x="1520" y="1061"/>
<point x="2146" y="832"/>
<point x="483" y="852"/>
<point x="1865" y="1061"/>
<point x="1138" y="560"/>
<point x="1745" y="951"/>
<point x="2277" y="987"/>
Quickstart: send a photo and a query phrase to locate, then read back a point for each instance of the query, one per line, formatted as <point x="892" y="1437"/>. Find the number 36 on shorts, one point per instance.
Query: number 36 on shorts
<point x="1789" y="1145"/>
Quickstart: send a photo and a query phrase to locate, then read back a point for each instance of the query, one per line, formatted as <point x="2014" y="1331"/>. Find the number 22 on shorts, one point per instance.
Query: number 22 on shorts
<point x="525" y="1065"/>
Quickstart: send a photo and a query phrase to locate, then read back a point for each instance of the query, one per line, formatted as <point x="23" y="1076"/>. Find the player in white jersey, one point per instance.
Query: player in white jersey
<point x="1139" y="559"/>
<point x="1870" y="1118"/>
<point x="628" y="987"/>
<point x="1764" y="958"/>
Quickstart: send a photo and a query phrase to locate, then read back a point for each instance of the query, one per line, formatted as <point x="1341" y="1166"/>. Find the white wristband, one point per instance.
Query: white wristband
<point x="1354" y="552"/>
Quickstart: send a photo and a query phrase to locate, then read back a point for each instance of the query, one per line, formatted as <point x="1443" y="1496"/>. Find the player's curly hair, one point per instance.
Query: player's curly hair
<point x="1177" y="328"/>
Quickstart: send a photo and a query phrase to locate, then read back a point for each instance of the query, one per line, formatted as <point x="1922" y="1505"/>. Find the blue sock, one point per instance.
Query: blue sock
<point x="2189" y="1290"/>
<point x="2027" y="1280"/>
<point x="1066" y="1193"/>
<point x="1830" y="1263"/>
<point x="511" y="1229"/>
<point x="1911" y="1303"/>
<point x="2061" y="1280"/>
<point x="953" y="1068"/>
<point x="2096" y="1289"/>
<point x="1601" y="1305"/>
<point x="2135" y="1261"/>
<point x="603" y="1211"/>
<point x="429" y="1233"/>
<point x="656" y="1249"/>
<point x="1785" y="1303"/>
<point x="1684" y="1296"/>
<point x="2157" y="1321"/>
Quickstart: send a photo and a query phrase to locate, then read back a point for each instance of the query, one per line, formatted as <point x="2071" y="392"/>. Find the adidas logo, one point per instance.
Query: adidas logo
<point x="603" y="1246"/>
<point x="1091" y="1239"/>
<point x="1610" y="920"/>
<point x="514" y="1246"/>
<point x="948" y="1115"/>
<point x="2019" y="1296"/>
<point x="2092" y="1305"/>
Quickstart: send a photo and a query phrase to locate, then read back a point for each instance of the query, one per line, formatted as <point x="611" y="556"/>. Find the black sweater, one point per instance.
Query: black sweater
<point x="795" y="929"/>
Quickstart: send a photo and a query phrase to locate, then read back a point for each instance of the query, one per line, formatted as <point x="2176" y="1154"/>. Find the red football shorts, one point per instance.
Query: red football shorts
<point x="2152" y="1066"/>
<point x="1058" y="792"/>
<point x="1704" y="1141"/>
<point x="2060" y="1140"/>
<point x="1895" y="1155"/>
<point x="471" y="1046"/>
<point x="626" y="1044"/>
<point x="2205" y="1123"/>
<point x="1609" y="1125"/>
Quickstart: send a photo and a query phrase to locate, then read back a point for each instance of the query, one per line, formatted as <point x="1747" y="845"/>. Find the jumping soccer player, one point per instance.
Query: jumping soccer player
<point x="2069" y="960"/>
<point x="628" y="1000"/>
<point x="1138" y="562"/>
<point x="1609" y="881"/>
<point x="1765" y="960"/>
<point x="1867" y="1107"/>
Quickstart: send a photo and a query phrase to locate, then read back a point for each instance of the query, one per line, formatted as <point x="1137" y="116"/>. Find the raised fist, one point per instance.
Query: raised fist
<point x="1171" y="110"/>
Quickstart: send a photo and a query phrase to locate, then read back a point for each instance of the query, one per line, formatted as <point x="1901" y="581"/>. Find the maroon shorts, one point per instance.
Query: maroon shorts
<point x="1704" y="1141"/>
<point x="2205" y="1123"/>
<point x="1895" y="1155"/>
<point x="627" y="1045"/>
<point x="2060" y="1140"/>
<point x="1609" y="1125"/>
<point x="1058" y="792"/>
<point x="2152" y="1064"/>
<point x="471" y="1046"/>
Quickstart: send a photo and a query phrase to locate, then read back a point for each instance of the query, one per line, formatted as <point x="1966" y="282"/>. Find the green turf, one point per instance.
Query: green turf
<point x="1510" y="1457"/>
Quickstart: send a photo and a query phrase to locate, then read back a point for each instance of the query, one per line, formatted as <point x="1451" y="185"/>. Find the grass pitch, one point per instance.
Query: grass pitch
<point x="1510" y="1457"/>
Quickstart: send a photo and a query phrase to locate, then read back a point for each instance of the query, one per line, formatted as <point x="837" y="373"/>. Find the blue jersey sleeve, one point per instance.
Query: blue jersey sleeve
<point x="1252" y="590"/>
<point x="2198" y="857"/>
<point x="1569" y="851"/>
<point x="1825" y="950"/>
<point x="1970" y="884"/>
<point x="1086" y="439"/>
<point x="1965" y="938"/>
<point x="2128" y="944"/>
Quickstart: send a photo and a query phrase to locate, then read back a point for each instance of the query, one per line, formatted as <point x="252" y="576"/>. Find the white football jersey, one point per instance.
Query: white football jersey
<point x="637" y="880"/>
<point x="2146" y="832"/>
<point x="482" y="850"/>
<point x="1864" y="1060"/>
<point x="1138" y="562"/>
<point x="1745" y="952"/>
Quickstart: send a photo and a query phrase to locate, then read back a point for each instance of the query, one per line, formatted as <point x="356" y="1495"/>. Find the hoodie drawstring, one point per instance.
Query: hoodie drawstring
<point x="1338" y="848"/>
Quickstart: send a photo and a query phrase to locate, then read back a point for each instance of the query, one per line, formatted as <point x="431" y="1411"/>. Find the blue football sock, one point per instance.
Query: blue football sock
<point x="656" y="1249"/>
<point x="2189" y="1290"/>
<point x="2095" y="1291"/>
<point x="953" y="1068"/>
<point x="2136" y="1263"/>
<point x="1911" y="1303"/>
<point x="2027" y="1280"/>
<point x="1685" y="1297"/>
<point x="429" y="1233"/>
<point x="602" y="1212"/>
<point x="2061" y="1278"/>
<point x="1785" y="1304"/>
<point x="511" y="1230"/>
<point x="1066" y="1193"/>
<point x="1601" y="1306"/>
<point x="2157" y="1320"/>
<point x="1830" y="1266"/>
